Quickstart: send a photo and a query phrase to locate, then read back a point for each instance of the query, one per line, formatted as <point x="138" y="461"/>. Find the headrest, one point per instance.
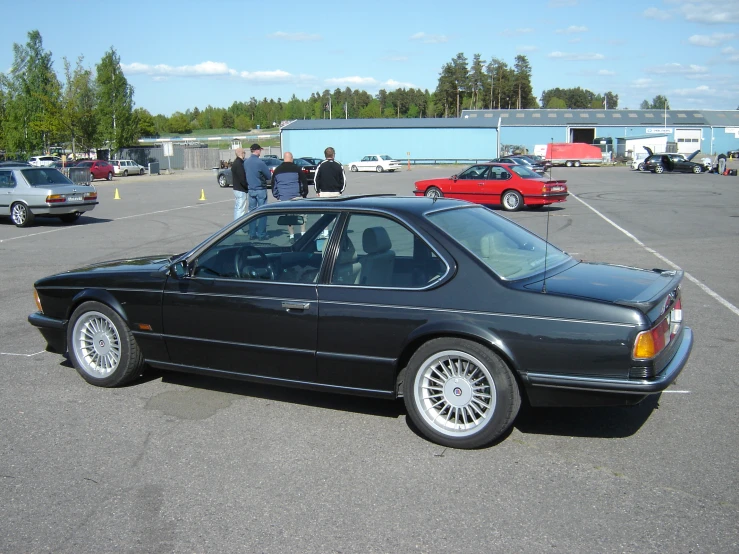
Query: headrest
<point x="347" y="253"/>
<point x="491" y="244"/>
<point x="375" y="240"/>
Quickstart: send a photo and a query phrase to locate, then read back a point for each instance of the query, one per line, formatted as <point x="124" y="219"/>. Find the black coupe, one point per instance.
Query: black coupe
<point x="444" y="303"/>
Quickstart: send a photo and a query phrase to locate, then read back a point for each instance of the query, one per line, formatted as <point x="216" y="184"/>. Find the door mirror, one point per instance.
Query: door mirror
<point x="454" y="177"/>
<point x="179" y="270"/>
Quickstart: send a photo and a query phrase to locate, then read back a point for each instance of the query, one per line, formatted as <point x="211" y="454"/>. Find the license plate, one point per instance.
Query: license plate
<point x="557" y="188"/>
<point x="74" y="199"/>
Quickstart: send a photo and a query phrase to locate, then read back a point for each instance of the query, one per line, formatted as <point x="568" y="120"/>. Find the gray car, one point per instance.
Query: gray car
<point x="27" y="192"/>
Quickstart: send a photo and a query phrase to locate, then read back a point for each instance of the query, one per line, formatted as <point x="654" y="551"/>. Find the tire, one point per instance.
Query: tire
<point x="69" y="218"/>
<point x="568" y="163"/>
<point x="101" y="346"/>
<point x="697" y="169"/>
<point x="354" y="168"/>
<point x="433" y="192"/>
<point x="511" y="200"/>
<point x="92" y="177"/>
<point x="141" y="172"/>
<point x="721" y="164"/>
<point x="222" y="181"/>
<point x="577" y="163"/>
<point x="659" y="169"/>
<point x="640" y="167"/>
<point x="125" y="173"/>
<point x="459" y="393"/>
<point x="379" y="169"/>
<point x="21" y="214"/>
<point x="109" y="177"/>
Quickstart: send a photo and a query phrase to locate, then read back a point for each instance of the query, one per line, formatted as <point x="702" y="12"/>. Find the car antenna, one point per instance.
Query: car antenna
<point x="546" y="236"/>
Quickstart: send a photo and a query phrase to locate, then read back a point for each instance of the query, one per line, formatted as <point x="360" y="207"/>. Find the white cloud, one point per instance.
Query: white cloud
<point x="567" y="56"/>
<point x="572" y="29"/>
<point x="678" y="69"/>
<point x="430" y="39"/>
<point x="712" y="12"/>
<point x="656" y="13"/>
<point x="642" y="83"/>
<point x="393" y="84"/>
<point x="204" y="69"/>
<point x="354" y="81"/>
<point x="731" y="55"/>
<point x="716" y="39"/>
<point x="527" y="48"/>
<point x="295" y="37"/>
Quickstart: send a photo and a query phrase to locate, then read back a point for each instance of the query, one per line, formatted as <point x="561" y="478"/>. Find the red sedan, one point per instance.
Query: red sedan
<point x="511" y="186"/>
<point x="99" y="169"/>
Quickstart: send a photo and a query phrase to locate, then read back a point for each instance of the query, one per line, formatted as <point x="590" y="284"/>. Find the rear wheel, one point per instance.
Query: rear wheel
<point x="21" y="214"/>
<point x="511" y="200"/>
<point x="433" y="192"/>
<point x="379" y="169"/>
<point x="459" y="393"/>
<point x="354" y="168"/>
<point x="69" y="218"/>
<point x="92" y="176"/>
<point x="576" y="163"/>
<point x="640" y="167"/>
<point x="568" y="163"/>
<point x="102" y="347"/>
<point x="222" y="181"/>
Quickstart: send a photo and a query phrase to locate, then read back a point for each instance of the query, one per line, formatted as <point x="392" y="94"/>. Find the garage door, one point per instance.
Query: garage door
<point x="688" y="140"/>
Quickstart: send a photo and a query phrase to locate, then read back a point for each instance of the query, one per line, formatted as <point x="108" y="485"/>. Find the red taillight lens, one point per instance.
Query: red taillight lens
<point x="649" y="344"/>
<point x="55" y="198"/>
<point x="91" y="196"/>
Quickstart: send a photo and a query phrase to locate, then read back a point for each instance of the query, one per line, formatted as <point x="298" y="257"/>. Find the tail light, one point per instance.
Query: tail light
<point x="55" y="198"/>
<point x="91" y="196"/>
<point x="650" y="343"/>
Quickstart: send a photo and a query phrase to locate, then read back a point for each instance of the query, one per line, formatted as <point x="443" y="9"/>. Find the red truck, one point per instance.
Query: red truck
<point x="573" y="154"/>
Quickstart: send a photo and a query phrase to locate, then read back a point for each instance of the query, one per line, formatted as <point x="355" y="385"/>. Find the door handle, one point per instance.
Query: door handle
<point x="296" y="305"/>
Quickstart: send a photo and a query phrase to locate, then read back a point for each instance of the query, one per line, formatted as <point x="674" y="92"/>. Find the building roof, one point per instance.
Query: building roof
<point x="403" y="123"/>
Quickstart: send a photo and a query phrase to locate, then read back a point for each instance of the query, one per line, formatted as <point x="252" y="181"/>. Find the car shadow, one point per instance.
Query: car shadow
<point x="595" y="422"/>
<point x="52" y="221"/>
<point x="330" y="401"/>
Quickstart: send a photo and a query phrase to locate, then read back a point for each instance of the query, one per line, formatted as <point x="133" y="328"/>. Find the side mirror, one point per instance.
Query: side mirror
<point x="454" y="178"/>
<point x="179" y="270"/>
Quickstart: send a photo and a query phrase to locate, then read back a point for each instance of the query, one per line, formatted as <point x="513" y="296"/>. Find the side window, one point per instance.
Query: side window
<point x="7" y="181"/>
<point x="291" y="250"/>
<point x="474" y="172"/>
<point x="375" y="251"/>
<point x="499" y="173"/>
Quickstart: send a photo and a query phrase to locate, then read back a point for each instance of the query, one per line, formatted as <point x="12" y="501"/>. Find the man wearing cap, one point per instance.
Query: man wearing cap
<point x="238" y="176"/>
<point x="257" y="175"/>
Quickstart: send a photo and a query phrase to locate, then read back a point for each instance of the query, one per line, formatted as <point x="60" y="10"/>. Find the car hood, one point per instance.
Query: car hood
<point x="693" y="155"/>
<point x="145" y="264"/>
<point x="615" y="284"/>
<point x="438" y="181"/>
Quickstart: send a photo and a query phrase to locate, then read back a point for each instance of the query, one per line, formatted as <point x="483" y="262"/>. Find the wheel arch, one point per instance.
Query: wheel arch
<point x="97" y="295"/>
<point x="460" y="330"/>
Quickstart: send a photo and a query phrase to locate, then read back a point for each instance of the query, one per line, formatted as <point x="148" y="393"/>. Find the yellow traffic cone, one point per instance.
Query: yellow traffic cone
<point x="202" y="194"/>
<point x="117" y="196"/>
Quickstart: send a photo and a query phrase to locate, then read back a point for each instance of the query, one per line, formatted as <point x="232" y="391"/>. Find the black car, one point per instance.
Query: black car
<point x="308" y="168"/>
<point x="660" y="163"/>
<point x="225" y="179"/>
<point x="459" y="311"/>
<point x="529" y="163"/>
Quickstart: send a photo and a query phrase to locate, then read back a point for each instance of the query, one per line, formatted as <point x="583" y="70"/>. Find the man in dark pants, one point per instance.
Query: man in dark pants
<point x="238" y="176"/>
<point x="257" y="175"/>
<point x="289" y="182"/>
<point x="330" y="179"/>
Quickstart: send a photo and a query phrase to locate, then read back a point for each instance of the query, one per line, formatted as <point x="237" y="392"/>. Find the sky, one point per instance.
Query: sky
<point x="183" y="54"/>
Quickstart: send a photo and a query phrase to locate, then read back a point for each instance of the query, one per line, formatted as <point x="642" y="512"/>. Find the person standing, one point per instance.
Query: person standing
<point x="288" y="183"/>
<point x="238" y="177"/>
<point x="257" y="175"/>
<point x="330" y="179"/>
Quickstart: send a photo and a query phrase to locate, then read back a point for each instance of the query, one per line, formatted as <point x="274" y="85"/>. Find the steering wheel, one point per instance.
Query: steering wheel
<point x="244" y="250"/>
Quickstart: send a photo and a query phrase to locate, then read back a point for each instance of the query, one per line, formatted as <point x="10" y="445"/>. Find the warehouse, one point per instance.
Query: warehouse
<point x="481" y="134"/>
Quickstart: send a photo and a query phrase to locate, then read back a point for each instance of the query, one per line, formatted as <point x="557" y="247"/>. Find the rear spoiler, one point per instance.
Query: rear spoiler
<point x="653" y="295"/>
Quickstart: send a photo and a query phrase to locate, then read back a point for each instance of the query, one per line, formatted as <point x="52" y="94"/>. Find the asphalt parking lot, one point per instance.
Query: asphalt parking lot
<point x="177" y="463"/>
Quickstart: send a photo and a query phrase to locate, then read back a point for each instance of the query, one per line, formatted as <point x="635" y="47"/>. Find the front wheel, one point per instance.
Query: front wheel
<point x="141" y="171"/>
<point x="641" y="167"/>
<point x="92" y="177"/>
<point x="512" y="201"/>
<point x="102" y="347"/>
<point x="109" y="177"/>
<point x="576" y="163"/>
<point x="459" y="393"/>
<point x="222" y="181"/>
<point x="568" y="163"/>
<point x="354" y="168"/>
<point x="697" y="169"/>
<point x="379" y="169"/>
<point x="21" y="214"/>
<point x="433" y="192"/>
<point x="125" y="173"/>
<point x="659" y="169"/>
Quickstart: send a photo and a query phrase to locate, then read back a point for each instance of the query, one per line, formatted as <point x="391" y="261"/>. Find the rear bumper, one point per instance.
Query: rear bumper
<point x="52" y="329"/>
<point x="620" y="386"/>
<point x="62" y="209"/>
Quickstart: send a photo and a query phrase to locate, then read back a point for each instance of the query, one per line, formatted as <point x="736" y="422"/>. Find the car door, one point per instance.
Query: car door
<point x="7" y="190"/>
<point x="471" y="184"/>
<point x="250" y="307"/>
<point x="363" y="163"/>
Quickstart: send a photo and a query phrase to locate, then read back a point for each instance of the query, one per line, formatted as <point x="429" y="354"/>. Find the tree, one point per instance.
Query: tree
<point x="78" y="104"/>
<point x="644" y="105"/>
<point x="476" y="79"/>
<point x="179" y="123"/>
<point x="116" y="125"/>
<point x="522" y="82"/>
<point x="146" y="124"/>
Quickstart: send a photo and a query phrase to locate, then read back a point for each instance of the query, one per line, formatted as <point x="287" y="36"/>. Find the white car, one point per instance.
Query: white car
<point x="43" y="161"/>
<point x="127" y="167"/>
<point x="375" y="162"/>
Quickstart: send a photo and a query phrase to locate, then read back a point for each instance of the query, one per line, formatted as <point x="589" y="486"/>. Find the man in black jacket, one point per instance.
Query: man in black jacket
<point x="288" y="182"/>
<point x="330" y="179"/>
<point x="238" y="177"/>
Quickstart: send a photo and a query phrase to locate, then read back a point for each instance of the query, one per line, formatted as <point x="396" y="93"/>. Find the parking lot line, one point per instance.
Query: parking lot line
<point x="704" y="287"/>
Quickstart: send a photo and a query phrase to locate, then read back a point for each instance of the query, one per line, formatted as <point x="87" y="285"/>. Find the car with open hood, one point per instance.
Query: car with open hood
<point x="457" y="310"/>
<point x="661" y="163"/>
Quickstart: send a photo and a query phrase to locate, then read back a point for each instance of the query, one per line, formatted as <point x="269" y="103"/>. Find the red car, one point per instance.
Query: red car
<point x="99" y="169"/>
<point x="511" y="186"/>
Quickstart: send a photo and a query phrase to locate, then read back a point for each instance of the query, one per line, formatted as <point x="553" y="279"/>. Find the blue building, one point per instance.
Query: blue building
<point x="481" y="134"/>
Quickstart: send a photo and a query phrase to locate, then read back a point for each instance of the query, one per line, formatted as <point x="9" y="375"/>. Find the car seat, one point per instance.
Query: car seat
<point x="377" y="266"/>
<point x="346" y="269"/>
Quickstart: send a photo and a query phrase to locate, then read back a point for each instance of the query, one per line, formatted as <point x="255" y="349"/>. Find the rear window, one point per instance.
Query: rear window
<point x="42" y="177"/>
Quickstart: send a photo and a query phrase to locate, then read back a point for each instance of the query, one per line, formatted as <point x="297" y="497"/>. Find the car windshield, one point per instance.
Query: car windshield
<point x="524" y="172"/>
<point x="45" y="176"/>
<point x="509" y="250"/>
<point x="84" y="164"/>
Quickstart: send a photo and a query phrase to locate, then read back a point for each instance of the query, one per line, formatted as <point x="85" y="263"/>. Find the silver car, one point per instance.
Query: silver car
<point x="127" y="167"/>
<point x="27" y="192"/>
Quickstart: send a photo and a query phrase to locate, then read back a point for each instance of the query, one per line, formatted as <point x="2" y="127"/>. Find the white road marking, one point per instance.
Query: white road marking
<point x="705" y="288"/>
<point x="24" y="355"/>
<point x="117" y="219"/>
<point x="676" y="391"/>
